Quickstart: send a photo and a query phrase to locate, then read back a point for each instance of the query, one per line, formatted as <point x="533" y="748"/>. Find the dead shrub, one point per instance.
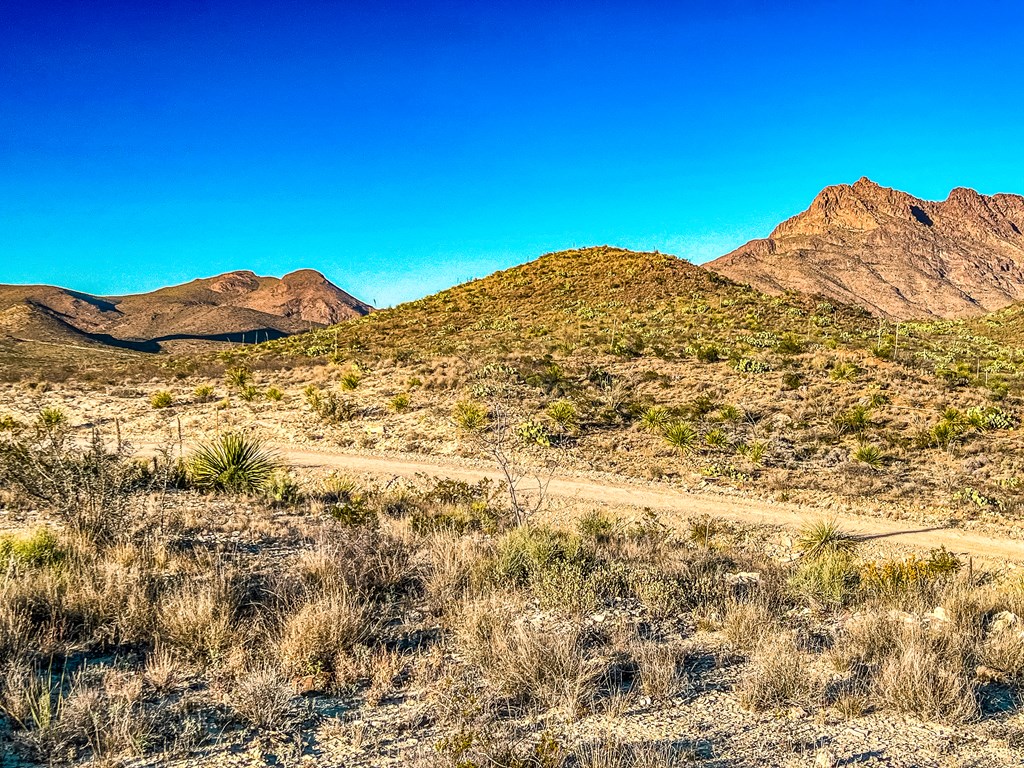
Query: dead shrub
<point x="319" y="638"/>
<point x="927" y="676"/>
<point x="777" y="676"/>
<point x="262" y="698"/>
<point x="196" y="620"/>
<point x="540" y="668"/>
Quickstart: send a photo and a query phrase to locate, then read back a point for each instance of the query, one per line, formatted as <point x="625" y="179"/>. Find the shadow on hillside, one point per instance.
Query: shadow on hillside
<point x="153" y="345"/>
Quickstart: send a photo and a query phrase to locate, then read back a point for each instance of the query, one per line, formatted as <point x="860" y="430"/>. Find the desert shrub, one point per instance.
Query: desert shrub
<point x="400" y="402"/>
<point x="329" y="406"/>
<point x="281" y="489"/>
<point x="92" y="491"/>
<point x="249" y="393"/>
<point x="661" y="669"/>
<point x="680" y="436"/>
<point x="596" y="525"/>
<point x="203" y="393"/>
<point x="238" y="377"/>
<point x="368" y="564"/>
<point x="564" y="414"/>
<point x="707" y="353"/>
<point x="196" y="619"/>
<point x="926" y="676"/>
<point x="855" y="420"/>
<point x="351" y="378"/>
<point x="96" y="713"/>
<point x="532" y="433"/>
<point x="234" y="462"/>
<point x="776" y="677"/>
<point x="792" y="380"/>
<point x="829" y="578"/>
<point x="753" y="452"/>
<point x="526" y="552"/>
<point x="262" y="698"/>
<point x="536" y="667"/>
<point x="845" y="371"/>
<point x="869" y="455"/>
<point x="907" y="580"/>
<point x="318" y="638"/>
<point x="342" y="498"/>
<point x="34" y="550"/>
<point x="161" y="399"/>
<point x="273" y="394"/>
<point x="747" y="624"/>
<point x="469" y="416"/>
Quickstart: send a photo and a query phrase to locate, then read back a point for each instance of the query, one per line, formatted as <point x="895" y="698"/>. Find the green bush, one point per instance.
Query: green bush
<point x="655" y="418"/>
<point x="400" y="402"/>
<point x="564" y="414"/>
<point x="234" y="462"/>
<point x="161" y="399"/>
<point x="274" y="394"/>
<point x="829" y="578"/>
<point x="35" y="550"/>
<point x="469" y="416"/>
<point x="238" y="377"/>
<point x="870" y="455"/>
<point x="203" y="393"/>
<point x="351" y="378"/>
<point x="680" y="435"/>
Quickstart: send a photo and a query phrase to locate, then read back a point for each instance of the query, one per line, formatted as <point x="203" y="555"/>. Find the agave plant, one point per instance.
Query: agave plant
<point x="680" y="435"/>
<point x="234" y="462"/>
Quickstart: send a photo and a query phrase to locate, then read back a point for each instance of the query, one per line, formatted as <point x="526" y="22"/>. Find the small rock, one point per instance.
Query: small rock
<point x="1004" y="620"/>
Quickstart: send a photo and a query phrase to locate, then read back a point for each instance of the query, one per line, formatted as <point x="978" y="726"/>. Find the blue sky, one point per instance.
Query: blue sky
<point x="403" y="147"/>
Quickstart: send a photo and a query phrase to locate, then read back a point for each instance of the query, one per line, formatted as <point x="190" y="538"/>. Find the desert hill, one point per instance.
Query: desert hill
<point x="234" y="307"/>
<point x="592" y="300"/>
<point x="896" y="255"/>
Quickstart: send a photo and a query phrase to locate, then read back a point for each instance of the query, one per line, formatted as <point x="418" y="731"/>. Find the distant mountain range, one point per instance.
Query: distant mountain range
<point x="894" y="254"/>
<point x="863" y="245"/>
<point x="236" y="307"/>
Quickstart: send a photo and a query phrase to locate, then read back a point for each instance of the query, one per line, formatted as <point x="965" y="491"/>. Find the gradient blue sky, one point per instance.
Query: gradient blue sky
<point x="403" y="147"/>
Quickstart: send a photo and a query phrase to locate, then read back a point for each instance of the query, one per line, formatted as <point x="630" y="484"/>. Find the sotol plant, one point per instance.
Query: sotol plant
<point x="234" y="462"/>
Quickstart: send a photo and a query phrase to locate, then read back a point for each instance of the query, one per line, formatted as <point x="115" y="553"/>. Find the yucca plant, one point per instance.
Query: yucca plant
<point x="868" y="454"/>
<point x="234" y="462"/>
<point x="655" y="418"/>
<point x="564" y="414"/>
<point x="826" y="536"/>
<point x="716" y="438"/>
<point x="680" y="435"/>
<point x="238" y="377"/>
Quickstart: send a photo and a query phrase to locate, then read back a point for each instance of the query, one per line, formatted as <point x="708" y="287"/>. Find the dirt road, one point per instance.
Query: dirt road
<point x="669" y="500"/>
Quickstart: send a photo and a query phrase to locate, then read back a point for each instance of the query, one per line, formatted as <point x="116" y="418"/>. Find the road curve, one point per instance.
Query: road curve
<point x="751" y="511"/>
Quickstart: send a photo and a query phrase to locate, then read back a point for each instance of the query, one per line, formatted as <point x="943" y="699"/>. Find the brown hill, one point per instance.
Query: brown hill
<point x="234" y="307"/>
<point x="897" y="255"/>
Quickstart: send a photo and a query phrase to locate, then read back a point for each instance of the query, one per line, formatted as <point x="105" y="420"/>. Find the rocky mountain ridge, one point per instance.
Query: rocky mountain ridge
<point x="899" y="256"/>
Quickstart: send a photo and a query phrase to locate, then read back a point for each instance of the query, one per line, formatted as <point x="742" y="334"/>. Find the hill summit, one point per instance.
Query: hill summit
<point x="897" y="255"/>
<point x="234" y="307"/>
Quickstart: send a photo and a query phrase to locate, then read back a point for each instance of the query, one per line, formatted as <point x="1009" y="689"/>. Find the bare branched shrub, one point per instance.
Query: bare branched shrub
<point x="92" y="491"/>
